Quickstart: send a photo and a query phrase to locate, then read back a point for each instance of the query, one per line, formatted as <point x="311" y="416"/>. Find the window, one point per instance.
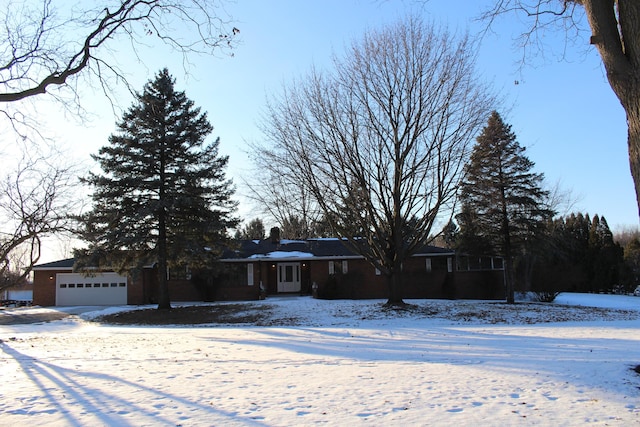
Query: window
<point x="476" y="263"/>
<point x="114" y="285"/>
<point x="181" y="272"/>
<point x="428" y="265"/>
<point x="449" y="265"/>
<point x="63" y="285"/>
<point x="378" y="272"/>
<point x="338" y="267"/>
<point x="250" y="274"/>
<point x="72" y="285"/>
<point x="80" y="285"/>
<point x="105" y="285"/>
<point x="288" y="273"/>
<point x="122" y="284"/>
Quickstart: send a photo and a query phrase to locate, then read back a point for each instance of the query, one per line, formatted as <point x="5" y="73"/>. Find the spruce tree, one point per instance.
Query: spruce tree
<point x="503" y="196"/>
<point x="254" y="230"/>
<point x="162" y="196"/>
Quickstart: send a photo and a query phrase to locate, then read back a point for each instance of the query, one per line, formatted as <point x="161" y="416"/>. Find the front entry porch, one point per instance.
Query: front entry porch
<point x="288" y="277"/>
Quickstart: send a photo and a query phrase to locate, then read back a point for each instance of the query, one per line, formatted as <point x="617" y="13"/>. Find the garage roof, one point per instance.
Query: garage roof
<point x="64" y="264"/>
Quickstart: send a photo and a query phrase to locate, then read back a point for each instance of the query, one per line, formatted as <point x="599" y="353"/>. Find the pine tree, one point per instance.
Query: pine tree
<point x="254" y="230"/>
<point x="162" y="195"/>
<point x="503" y="196"/>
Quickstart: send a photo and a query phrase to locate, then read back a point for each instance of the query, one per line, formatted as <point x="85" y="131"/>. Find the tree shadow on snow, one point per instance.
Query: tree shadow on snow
<point x="65" y="389"/>
<point x="581" y="361"/>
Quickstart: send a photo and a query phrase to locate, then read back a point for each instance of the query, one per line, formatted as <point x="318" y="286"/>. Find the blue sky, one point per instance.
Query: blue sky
<point x="564" y="112"/>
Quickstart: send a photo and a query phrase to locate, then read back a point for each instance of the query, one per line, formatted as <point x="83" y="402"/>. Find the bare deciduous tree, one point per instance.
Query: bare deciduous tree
<point x="278" y="195"/>
<point x="615" y="32"/>
<point x="44" y="48"/>
<point x="33" y="205"/>
<point x="379" y="143"/>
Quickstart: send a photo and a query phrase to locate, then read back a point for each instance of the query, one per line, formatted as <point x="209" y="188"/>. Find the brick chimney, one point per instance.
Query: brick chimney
<point x="274" y="235"/>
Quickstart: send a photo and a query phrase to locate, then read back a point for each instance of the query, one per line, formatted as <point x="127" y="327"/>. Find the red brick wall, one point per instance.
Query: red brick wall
<point x="227" y="284"/>
<point x="145" y="289"/>
<point x="361" y="282"/>
<point x="136" y="290"/>
<point x="184" y="290"/>
<point x="44" y="288"/>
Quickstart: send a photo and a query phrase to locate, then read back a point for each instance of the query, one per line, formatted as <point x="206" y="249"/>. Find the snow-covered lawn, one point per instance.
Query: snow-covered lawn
<point x="341" y="363"/>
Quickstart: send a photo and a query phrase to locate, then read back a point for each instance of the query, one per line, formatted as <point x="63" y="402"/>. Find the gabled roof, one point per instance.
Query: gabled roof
<point x="305" y="249"/>
<point x="64" y="264"/>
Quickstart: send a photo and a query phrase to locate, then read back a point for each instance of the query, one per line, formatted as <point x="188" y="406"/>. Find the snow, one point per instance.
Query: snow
<point x="291" y="242"/>
<point x="283" y="254"/>
<point x="341" y="363"/>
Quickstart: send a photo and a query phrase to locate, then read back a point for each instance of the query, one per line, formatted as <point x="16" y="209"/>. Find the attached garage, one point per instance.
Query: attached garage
<point x="56" y="284"/>
<point x="100" y="289"/>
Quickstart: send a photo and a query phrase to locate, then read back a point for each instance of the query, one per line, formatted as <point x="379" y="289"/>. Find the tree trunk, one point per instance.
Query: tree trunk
<point x="395" y="290"/>
<point x="508" y="280"/>
<point x="633" y="137"/>
<point x="617" y="39"/>
<point x="164" y="302"/>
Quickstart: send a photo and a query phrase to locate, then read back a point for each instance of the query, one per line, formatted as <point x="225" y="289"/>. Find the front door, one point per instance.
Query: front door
<point x="289" y="277"/>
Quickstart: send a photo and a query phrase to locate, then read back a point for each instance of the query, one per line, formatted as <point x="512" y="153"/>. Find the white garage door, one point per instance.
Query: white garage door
<point x="101" y="289"/>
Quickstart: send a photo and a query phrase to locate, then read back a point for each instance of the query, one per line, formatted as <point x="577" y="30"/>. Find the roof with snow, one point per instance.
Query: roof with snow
<point x="305" y="249"/>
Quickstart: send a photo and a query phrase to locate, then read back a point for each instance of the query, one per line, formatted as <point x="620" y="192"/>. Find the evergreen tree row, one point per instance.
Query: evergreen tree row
<point x="580" y="255"/>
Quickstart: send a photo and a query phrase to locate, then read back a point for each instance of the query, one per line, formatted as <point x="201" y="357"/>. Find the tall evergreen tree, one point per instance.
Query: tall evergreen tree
<point x="503" y="196"/>
<point x="162" y="195"/>
<point x="253" y="230"/>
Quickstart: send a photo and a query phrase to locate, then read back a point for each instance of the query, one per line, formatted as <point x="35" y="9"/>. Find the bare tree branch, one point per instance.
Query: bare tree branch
<point x="615" y="32"/>
<point x="46" y="48"/>
<point x="33" y="204"/>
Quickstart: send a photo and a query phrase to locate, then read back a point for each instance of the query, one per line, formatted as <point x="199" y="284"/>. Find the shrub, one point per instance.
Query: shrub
<point x="545" y="296"/>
